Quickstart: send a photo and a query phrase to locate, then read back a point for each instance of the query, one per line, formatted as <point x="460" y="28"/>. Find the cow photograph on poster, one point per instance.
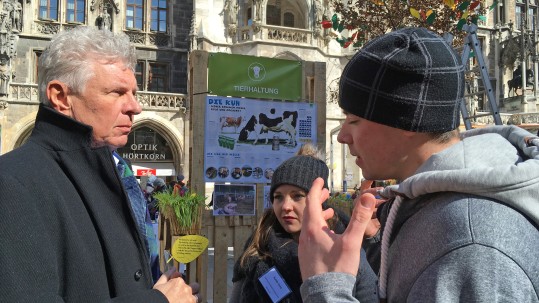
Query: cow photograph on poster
<point x="234" y="200"/>
<point x="246" y="139"/>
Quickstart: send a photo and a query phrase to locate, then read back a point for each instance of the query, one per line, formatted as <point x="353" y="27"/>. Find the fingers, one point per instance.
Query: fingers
<point x="182" y="290"/>
<point x="365" y="184"/>
<point x="175" y="274"/>
<point x="372" y="228"/>
<point x="195" y="287"/>
<point x="313" y="241"/>
<point x="361" y="217"/>
<point x="170" y="274"/>
<point x="313" y="208"/>
<point x="328" y="213"/>
<point x="162" y="280"/>
<point x="374" y="190"/>
<point x="175" y="290"/>
<point x="322" y="251"/>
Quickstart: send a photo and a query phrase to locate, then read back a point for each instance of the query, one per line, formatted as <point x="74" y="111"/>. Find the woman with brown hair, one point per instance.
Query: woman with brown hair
<point x="274" y="243"/>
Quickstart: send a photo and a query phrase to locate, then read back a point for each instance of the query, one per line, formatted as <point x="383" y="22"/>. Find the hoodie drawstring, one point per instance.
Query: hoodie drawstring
<point x="386" y="236"/>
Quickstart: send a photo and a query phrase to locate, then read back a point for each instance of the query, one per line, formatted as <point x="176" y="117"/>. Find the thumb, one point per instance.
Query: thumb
<point x="361" y="216"/>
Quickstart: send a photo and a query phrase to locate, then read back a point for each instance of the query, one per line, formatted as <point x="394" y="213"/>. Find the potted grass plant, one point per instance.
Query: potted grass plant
<point x="342" y="202"/>
<point x="183" y="212"/>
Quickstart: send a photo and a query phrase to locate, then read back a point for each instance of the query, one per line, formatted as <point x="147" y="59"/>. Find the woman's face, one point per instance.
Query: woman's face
<point x="288" y="205"/>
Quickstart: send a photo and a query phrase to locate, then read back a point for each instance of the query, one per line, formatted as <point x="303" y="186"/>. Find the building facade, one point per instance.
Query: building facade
<point x="165" y="32"/>
<point x="508" y="38"/>
<point x="159" y="30"/>
<point x="283" y="29"/>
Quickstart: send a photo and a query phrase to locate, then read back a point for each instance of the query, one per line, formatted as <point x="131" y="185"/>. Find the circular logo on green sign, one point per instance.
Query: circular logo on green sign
<point x="256" y="71"/>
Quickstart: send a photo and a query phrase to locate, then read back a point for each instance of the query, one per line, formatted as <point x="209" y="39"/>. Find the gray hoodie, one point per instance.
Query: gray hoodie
<point x="463" y="228"/>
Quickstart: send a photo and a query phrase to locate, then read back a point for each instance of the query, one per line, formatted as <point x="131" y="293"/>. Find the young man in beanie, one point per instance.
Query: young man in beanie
<point x="462" y="224"/>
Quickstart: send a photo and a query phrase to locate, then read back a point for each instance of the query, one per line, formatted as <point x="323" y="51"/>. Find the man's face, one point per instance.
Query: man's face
<point x="108" y="104"/>
<point x="380" y="150"/>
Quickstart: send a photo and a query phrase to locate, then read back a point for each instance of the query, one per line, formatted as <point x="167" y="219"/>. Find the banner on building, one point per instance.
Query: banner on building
<point x="246" y="139"/>
<point x="254" y="77"/>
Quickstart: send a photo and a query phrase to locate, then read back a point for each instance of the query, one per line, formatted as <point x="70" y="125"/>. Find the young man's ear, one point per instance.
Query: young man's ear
<point x="57" y="93"/>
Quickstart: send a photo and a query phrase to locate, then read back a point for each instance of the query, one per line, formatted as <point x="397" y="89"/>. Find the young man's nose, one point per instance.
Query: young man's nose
<point x="343" y="137"/>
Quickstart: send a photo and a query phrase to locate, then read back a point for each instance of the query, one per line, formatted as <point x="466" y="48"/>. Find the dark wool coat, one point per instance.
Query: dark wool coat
<point x="67" y="232"/>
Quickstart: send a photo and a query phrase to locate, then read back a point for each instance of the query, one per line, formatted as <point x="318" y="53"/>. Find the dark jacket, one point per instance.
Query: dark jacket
<point x="68" y="232"/>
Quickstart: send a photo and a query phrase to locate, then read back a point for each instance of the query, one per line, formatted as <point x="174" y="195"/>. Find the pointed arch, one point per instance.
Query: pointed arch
<point x="23" y="128"/>
<point x="169" y="132"/>
<point x="274" y="12"/>
<point x="287" y="55"/>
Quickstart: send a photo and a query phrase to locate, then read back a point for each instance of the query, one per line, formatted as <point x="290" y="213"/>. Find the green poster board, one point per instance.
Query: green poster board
<point x="254" y="77"/>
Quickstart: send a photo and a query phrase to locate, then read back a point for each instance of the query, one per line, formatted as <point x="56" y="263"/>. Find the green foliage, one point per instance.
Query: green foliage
<point x="367" y="19"/>
<point x="184" y="211"/>
<point x="341" y="202"/>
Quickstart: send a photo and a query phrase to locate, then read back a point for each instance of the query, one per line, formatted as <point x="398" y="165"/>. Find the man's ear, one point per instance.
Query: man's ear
<point x="57" y="93"/>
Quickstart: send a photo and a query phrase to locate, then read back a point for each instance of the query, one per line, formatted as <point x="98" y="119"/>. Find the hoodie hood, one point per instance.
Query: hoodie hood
<point x="498" y="162"/>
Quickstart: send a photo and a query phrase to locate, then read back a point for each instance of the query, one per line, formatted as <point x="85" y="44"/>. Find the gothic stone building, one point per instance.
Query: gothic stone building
<point x="164" y="32"/>
<point x="159" y="29"/>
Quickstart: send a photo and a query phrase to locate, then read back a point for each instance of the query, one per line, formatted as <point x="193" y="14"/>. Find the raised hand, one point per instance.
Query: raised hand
<point x="320" y="249"/>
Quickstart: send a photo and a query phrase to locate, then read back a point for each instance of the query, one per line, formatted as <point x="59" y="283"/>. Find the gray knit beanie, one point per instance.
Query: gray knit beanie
<point x="300" y="171"/>
<point x="410" y="79"/>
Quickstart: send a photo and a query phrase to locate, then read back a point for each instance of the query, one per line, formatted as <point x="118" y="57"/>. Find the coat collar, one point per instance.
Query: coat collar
<point x="54" y="124"/>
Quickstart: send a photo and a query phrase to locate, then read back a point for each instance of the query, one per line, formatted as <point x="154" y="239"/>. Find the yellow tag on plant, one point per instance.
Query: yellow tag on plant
<point x="415" y="13"/>
<point x="187" y="248"/>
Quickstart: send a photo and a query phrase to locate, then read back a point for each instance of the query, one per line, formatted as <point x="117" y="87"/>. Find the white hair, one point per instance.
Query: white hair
<point x="69" y="57"/>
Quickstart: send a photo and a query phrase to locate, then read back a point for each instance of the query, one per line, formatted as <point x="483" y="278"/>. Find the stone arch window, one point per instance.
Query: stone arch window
<point x="140" y="74"/>
<point x="35" y="57"/>
<point x="288" y="19"/>
<point x="23" y="137"/>
<point x="287" y="13"/>
<point x="147" y="144"/>
<point x="153" y="75"/>
<point x="158" y="19"/>
<point x="248" y="16"/>
<point x="273" y="14"/>
<point x="146" y="15"/>
<point x="48" y="10"/>
<point x="134" y="14"/>
<point x="151" y="145"/>
<point x="293" y="13"/>
<point x="75" y="10"/>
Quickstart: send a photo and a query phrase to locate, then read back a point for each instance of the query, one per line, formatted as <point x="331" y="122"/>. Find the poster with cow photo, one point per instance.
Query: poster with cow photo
<point x="246" y="139"/>
<point x="234" y="200"/>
